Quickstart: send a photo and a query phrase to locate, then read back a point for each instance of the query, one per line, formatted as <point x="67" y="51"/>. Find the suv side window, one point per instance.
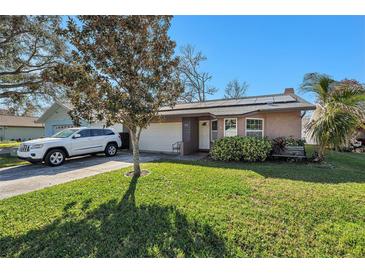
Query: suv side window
<point x="96" y="132"/>
<point x="108" y="132"/>
<point x="84" y="133"/>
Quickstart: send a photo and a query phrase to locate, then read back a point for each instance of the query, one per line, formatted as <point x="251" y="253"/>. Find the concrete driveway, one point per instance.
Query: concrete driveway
<point x="22" y="179"/>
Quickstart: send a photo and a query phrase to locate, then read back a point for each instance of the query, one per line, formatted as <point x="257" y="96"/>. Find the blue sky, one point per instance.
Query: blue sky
<point x="274" y="52"/>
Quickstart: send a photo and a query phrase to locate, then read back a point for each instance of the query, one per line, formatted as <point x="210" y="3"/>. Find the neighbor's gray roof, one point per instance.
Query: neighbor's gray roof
<point x="275" y="102"/>
<point x="19" y="121"/>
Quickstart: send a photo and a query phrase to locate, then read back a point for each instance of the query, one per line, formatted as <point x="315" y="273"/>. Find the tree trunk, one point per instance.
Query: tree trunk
<point x="135" y="144"/>
<point x="321" y="150"/>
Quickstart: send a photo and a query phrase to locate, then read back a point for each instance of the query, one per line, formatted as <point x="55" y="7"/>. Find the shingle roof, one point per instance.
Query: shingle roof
<point x="224" y="107"/>
<point x="275" y="102"/>
<point x="19" y="121"/>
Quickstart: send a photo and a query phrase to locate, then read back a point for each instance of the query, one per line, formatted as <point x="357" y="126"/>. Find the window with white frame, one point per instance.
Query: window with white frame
<point x="214" y="127"/>
<point x="230" y="127"/>
<point x="255" y="127"/>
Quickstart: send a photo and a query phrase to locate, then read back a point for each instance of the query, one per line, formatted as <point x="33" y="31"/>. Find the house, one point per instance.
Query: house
<point x="56" y="118"/>
<point x="305" y="134"/>
<point x="196" y="125"/>
<point x="19" y="127"/>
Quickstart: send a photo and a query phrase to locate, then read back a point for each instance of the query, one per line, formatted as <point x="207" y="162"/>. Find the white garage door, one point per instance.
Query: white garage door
<point x="160" y="136"/>
<point x="59" y="128"/>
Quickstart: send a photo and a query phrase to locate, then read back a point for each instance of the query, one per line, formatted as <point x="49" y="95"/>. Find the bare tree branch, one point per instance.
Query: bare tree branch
<point x="196" y="86"/>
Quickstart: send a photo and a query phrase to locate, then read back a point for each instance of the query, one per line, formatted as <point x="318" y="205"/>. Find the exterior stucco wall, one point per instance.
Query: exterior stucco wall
<point x="283" y="124"/>
<point x="220" y="122"/>
<point x="24" y="133"/>
<point x="276" y="124"/>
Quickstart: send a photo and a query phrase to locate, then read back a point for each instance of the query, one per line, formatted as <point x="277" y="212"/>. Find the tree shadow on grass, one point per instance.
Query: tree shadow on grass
<point x="118" y="229"/>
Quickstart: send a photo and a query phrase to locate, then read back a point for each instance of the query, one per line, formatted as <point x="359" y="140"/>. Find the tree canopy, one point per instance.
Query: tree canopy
<point x="339" y="110"/>
<point x="29" y="47"/>
<point x="195" y="82"/>
<point x="123" y="70"/>
<point x="235" y="89"/>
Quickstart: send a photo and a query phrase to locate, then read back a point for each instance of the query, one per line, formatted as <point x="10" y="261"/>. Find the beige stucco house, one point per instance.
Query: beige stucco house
<point x="196" y="125"/>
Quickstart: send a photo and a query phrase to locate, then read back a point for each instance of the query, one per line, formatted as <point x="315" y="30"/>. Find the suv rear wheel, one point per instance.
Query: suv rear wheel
<point x="55" y="157"/>
<point x="111" y="150"/>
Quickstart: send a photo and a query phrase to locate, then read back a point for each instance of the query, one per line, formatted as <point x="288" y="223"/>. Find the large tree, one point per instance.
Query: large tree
<point x="123" y="70"/>
<point x="29" y="47"/>
<point x="235" y="89"/>
<point x="339" y="110"/>
<point x="195" y="82"/>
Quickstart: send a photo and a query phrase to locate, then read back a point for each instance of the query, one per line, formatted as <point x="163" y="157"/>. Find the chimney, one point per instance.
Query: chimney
<point x="288" y="91"/>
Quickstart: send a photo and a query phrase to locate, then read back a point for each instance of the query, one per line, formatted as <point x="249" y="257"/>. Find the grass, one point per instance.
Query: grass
<point x="6" y="144"/>
<point x="196" y="209"/>
<point x="7" y="161"/>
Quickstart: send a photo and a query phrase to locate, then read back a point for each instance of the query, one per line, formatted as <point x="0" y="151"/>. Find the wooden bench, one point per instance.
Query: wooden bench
<point x="297" y="152"/>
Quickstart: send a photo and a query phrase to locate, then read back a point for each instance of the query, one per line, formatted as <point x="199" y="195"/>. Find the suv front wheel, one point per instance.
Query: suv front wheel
<point x="111" y="150"/>
<point x="55" y="157"/>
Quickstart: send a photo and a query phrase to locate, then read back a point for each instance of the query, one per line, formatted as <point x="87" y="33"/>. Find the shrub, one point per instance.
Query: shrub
<point x="291" y="141"/>
<point x="279" y="143"/>
<point x="241" y="148"/>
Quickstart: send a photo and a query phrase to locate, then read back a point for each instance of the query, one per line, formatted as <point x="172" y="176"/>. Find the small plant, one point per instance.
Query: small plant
<point x="291" y="141"/>
<point x="280" y="143"/>
<point x="241" y="148"/>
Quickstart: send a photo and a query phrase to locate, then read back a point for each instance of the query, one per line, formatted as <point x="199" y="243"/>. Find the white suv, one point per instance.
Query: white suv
<point x="68" y="143"/>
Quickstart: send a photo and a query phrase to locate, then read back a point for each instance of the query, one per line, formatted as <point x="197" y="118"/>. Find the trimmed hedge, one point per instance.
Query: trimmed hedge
<point x="241" y="148"/>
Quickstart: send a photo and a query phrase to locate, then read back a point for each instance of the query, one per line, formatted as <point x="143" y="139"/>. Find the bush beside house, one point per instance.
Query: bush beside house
<point x="279" y="144"/>
<point x="240" y="148"/>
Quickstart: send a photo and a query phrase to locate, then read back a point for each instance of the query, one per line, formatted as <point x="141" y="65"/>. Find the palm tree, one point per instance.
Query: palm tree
<point x="339" y="110"/>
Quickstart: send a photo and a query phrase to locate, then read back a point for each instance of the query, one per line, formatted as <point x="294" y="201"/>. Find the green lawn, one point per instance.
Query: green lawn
<point x="196" y="209"/>
<point x="6" y="144"/>
<point x="6" y="161"/>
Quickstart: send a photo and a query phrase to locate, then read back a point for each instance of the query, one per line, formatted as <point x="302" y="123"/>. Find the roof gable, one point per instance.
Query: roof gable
<point x="56" y="105"/>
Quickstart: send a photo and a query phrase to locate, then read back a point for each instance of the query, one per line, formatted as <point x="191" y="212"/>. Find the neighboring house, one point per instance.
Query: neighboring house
<point x="19" y="127"/>
<point x="56" y="118"/>
<point x="305" y="135"/>
<point x="197" y="125"/>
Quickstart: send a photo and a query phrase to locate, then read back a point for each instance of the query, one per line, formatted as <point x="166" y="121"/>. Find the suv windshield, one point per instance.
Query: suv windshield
<point x="65" y="133"/>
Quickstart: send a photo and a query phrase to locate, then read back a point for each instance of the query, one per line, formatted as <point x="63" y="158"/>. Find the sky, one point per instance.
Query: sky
<point x="274" y="52"/>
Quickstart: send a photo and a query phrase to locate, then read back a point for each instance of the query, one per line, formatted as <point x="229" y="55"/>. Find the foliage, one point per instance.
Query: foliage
<point x="30" y="46"/>
<point x="123" y="70"/>
<point x="235" y="90"/>
<point x="195" y="82"/>
<point x="196" y="209"/>
<point x="279" y="143"/>
<point x="339" y="110"/>
<point x="241" y="148"/>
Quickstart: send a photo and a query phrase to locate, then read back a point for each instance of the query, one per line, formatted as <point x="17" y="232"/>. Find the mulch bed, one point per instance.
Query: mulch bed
<point x="143" y="173"/>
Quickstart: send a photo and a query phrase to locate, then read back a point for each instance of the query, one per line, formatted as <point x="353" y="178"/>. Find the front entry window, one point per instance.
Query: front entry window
<point x="214" y="128"/>
<point x="255" y="127"/>
<point x="230" y="127"/>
